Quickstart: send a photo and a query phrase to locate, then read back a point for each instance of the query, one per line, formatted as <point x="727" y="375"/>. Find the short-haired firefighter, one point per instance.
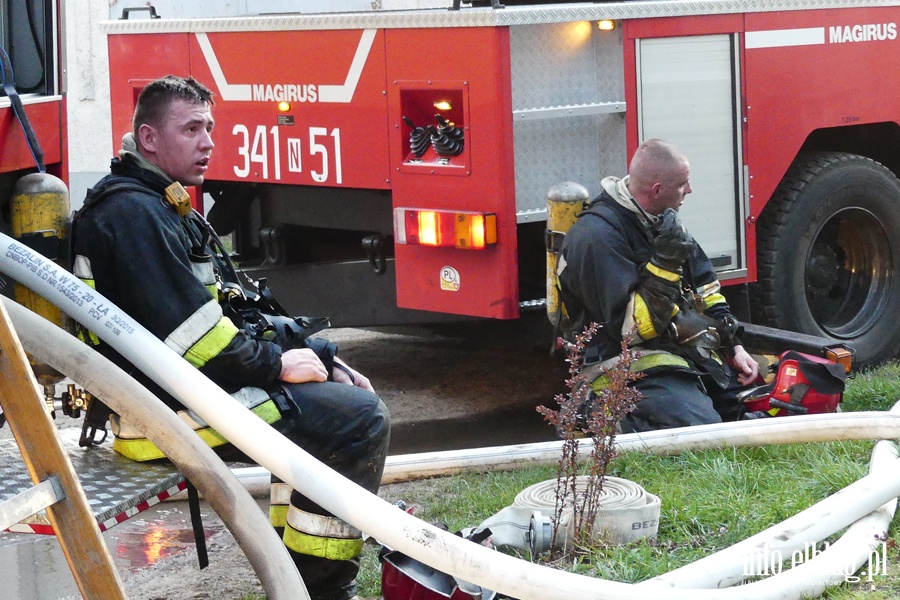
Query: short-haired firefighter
<point x="138" y="242"/>
<point x="628" y="264"/>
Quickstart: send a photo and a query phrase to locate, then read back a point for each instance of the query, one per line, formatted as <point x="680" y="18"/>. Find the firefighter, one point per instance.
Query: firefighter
<point x="628" y="264"/>
<point x="138" y="242"/>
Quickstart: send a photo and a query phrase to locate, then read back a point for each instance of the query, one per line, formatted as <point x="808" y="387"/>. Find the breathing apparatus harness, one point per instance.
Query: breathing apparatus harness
<point x="250" y="304"/>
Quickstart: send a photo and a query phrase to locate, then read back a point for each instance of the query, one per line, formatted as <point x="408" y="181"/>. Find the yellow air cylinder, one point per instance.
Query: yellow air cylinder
<point x="564" y="201"/>
<point x="39" y="211"/>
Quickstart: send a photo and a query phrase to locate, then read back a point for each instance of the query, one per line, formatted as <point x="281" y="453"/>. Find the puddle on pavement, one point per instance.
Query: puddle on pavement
<point x="33" y="567"/>
<point x="146" y="541"/>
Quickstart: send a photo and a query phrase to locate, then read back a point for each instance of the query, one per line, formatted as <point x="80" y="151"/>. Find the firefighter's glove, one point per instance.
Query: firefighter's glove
<point x="730" y="331"/>
<point x="673" y="244"/>
<point x="691" y="327"/>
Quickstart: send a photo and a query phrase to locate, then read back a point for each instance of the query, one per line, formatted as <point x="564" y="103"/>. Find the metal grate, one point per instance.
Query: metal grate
<point x="116" y="488"/>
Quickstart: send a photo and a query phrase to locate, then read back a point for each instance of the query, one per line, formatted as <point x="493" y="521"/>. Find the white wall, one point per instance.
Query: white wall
<point x="90" y="145"/>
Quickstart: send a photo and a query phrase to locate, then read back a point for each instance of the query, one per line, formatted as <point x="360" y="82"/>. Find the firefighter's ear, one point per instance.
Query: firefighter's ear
<point x="147" y="138"/>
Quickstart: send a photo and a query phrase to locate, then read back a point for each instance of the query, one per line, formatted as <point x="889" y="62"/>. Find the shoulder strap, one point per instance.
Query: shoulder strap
<point x="112" y="185"/>
<point x="105" y="188"/>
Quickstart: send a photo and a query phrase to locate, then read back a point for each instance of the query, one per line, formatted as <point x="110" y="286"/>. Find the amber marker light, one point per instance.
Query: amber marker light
<point x="443" y="105"/>
<point x="284" y="106"/>
<point x="445" y="228"/>
<point x="606" y="25"/>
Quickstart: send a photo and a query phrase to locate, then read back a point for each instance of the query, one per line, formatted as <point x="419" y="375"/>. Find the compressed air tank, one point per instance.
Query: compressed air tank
<point x="564" y="201"/>
<point x="39" y="214"/>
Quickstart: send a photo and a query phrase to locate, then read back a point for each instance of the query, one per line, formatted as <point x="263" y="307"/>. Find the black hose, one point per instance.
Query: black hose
<point x="447" y="139"/>
<point x="419" y="137"/>
<point x="9" y="86"/>
<point x="29" y="10"/>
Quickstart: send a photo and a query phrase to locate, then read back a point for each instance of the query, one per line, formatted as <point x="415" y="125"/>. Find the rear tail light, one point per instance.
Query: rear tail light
<point x="445" y="228"/>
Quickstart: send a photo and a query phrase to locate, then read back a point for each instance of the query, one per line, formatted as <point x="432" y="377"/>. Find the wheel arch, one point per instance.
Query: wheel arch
<point x="802" y="205"/>
<point x="878" y="141"/>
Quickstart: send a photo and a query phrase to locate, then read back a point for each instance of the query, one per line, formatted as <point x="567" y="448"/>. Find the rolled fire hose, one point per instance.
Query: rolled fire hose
<point x="345" y="499"/>
<point x="52" y="345"/>
<point x="626" y="512"/>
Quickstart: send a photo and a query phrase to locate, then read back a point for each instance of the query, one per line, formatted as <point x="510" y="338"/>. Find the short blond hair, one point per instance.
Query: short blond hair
<point x="654" y="161"/>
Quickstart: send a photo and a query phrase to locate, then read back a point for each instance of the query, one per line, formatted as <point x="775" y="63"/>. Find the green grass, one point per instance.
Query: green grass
<point x="710" y="499"/>
<point x="877" y="389"/>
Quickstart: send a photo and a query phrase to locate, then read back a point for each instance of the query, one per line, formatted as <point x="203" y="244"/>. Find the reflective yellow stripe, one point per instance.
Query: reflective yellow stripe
<point x="279" y="500"/>
<point x="93" y="341"/>
<point x="81" y="330"/>
<point x="330" y="548"/>
<point x="714" y="299"/>
<point x="662" y="273"/>
<point x="278" y="515"/>
<point x="212" y="343"/>
<point x="642" y="319"/>
<point x="141" y="449"/>
<point x="192" y="329"/>
<point x="647" y="361"/>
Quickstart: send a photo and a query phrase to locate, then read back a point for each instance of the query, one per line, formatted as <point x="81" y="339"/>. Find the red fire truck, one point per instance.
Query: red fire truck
<point x="388" y="167"/>
<point x="33" y="97"/>
<point x="33" y="152"/>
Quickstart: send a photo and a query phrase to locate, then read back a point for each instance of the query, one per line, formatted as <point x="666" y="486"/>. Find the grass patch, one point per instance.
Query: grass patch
<point x="710" y="499"/>
<point x="875" y="389"/>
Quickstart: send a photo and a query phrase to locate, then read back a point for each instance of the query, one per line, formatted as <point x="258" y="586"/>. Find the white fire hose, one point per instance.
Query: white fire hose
<point x="868" y="425"/>
<point x="348" y="501"/>
<point x="53" y="346"/>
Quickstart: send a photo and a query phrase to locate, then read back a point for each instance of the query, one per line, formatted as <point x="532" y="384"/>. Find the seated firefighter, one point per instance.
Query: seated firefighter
<point x="629" y="265"/>
<point x="138" y="242"/>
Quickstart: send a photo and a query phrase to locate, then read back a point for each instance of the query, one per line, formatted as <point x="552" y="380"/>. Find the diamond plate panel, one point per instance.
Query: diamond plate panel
<point x="565" y="63"/>
<point x="480" y="17"/>
<point x="112" y="483"/>
<point x="581" y="149"/>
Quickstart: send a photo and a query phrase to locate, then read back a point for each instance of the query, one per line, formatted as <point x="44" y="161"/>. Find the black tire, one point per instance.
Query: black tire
<point x="828" y="246"/>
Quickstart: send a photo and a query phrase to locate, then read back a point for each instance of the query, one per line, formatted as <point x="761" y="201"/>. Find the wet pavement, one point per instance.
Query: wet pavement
<point x="33" y="567"/>
<point x="468" y="397"/>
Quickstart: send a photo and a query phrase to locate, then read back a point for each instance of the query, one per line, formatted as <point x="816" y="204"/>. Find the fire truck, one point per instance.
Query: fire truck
<point x="33" y="143"/>
<point x="392" y="166"/>
<point x="32" y="104"/>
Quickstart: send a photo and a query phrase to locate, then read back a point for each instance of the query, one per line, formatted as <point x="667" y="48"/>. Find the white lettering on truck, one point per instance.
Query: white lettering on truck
<point x="815" y="36"/>
<point x="862" y="33"/>
<point x="245" y="92"/>
<point x="288" y="92"/>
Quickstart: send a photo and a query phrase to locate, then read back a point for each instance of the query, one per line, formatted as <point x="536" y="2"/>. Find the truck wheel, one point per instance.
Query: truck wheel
<point x="828" y="245"/>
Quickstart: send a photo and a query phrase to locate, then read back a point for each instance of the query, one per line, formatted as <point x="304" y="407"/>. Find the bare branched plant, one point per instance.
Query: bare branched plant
<point x="584" y="412"/>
